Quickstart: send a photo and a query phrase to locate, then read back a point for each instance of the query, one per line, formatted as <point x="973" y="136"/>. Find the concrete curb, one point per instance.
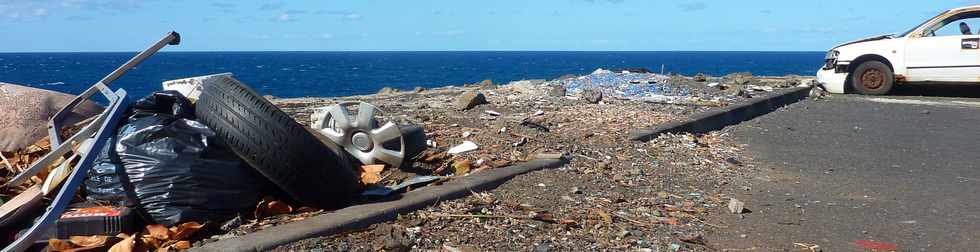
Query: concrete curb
<point x="362" y="216"/>
<point x="719" y="118"/>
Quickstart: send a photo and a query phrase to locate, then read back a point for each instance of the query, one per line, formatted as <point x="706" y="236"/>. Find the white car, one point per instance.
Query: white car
<point x="940" y="50"/>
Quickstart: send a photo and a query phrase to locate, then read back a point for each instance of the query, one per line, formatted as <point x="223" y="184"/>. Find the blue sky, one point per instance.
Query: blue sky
<point x="328" y="25"/>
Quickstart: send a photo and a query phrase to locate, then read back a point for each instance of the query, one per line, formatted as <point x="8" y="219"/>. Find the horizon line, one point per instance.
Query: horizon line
<point x="389" y="51"/>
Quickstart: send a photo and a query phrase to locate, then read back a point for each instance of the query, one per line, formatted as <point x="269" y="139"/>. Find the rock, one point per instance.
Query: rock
<point x="740" y="78"/>
<point x="739" y="91"/>
<point x="392" y="238"/>
<point x="760" y="88"/>
<point x="466" y="146"/>
<point x="592" y="96"/>
<point x="387" y="90"/>
<point x="700" y="77"/>
<point x="567" y="76"/>
<point x="470" y="99"/>
<point x="736" y="206"/>
<point x="419" y="89"/>
<point x="467" y="134"/>
<point x="485" y="84"/>
<point x="576" y="190"/>
<point x="557" y="91"/>
<point x="231" y="224"/>
<point x="602" y="166"/>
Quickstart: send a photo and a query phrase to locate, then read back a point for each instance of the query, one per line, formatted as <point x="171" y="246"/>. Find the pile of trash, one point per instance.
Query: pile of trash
<point x="624" y="84"/>
<point x="201" y="157"/>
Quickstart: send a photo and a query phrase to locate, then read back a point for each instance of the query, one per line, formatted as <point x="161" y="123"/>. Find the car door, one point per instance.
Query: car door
<point x="945" y="54"/>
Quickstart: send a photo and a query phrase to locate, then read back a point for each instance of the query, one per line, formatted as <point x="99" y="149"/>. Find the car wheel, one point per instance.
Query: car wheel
<point x="872" y="78"/>
<point x="311" y="171"/>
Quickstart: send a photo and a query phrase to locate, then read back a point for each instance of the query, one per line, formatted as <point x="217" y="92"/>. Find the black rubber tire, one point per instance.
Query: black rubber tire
<point x="415" y="138"/>
<point x="872" y="78"/>
<point x="307" y="169"/>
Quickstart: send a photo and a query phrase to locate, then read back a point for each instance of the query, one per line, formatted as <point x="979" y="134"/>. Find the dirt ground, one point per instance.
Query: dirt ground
<point x="614" y="194"/>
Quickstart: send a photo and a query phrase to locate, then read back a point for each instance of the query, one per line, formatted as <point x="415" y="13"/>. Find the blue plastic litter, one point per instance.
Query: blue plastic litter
<point x="624" y="84"/>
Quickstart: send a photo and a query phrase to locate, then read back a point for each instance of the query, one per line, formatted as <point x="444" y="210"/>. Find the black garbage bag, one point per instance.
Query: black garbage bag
<point x="172" y="168"/>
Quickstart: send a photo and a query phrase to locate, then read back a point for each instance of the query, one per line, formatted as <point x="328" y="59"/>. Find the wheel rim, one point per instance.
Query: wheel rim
<point x="872" y="79"/>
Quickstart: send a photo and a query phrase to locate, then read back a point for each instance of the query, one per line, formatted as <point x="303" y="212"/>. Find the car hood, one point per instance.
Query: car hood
<point x="879" y="37"/>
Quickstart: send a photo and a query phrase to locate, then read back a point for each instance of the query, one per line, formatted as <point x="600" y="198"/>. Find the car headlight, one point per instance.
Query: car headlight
<point x="831" y="59"/>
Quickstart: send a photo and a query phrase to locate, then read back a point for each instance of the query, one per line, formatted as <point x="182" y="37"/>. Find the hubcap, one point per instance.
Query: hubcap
<point x="362" y="141"/>
<point x="872" y="79"/>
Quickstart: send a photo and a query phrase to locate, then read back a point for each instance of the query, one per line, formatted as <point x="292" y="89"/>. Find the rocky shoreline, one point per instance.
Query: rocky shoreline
<point x="613" y="194"/>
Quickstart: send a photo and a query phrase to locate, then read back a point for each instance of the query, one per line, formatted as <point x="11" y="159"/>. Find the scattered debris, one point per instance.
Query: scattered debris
<point x="875" y="245"/>
<point x="807" y="246"/>
<point x="521" y="142"/>
<point x="736" y="206"/>
<point x="466" y="146"/>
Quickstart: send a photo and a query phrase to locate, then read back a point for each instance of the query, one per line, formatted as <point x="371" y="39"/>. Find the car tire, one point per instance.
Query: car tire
<point x="311" y="171"/>
<point x="872" y="78"/>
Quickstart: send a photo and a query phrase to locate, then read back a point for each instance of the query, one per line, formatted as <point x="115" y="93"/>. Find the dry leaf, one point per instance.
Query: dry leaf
<point x="128" y="244"/>
<point x="433" y="157"/>
<point x="185" y="230"/>
<point x="269" y="206"/>
<point x="158" y="231"/>
<point x="150" y="242"/>
<point x="669" y="221"/>
<point x="371" y="174"/>
<point x="279" y="207"/>
<point x="461" y="167"/>
<point x="89" y="241"/>
<point x="182" y="245"/>
<point x="306" y="209"/>
<point x="59" y="245"/>
<point x="605" y="217"/>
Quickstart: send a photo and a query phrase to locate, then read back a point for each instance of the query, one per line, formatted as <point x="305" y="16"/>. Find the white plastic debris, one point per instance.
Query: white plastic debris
<point x="713" y="84"/>
<point x="190" y="87"/>
<point x="736" y="206"/>
<point x="467" y="134"/>
<point x="466" y="146"/>
<point x="540" y="112"/>
<point x="492" y="113"/>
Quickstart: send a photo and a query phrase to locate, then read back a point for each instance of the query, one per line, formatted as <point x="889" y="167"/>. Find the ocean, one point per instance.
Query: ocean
<point x="301" y="74"/>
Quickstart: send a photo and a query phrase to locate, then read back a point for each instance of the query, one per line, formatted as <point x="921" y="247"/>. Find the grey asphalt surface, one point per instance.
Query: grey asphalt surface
<point x="854" y="167"/>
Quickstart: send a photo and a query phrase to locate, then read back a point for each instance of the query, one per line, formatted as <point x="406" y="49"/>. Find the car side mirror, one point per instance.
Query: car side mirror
<point x="965" y="29"/>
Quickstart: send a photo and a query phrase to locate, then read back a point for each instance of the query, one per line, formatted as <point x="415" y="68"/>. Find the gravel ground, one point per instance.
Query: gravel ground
<point x="614" y="194"/>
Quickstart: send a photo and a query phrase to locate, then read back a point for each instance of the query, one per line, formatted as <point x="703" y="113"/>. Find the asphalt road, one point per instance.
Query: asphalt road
<point x="897" y="169"/>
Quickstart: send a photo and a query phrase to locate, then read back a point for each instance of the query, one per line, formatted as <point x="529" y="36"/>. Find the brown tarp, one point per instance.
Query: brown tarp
<point x="24" y="114"/>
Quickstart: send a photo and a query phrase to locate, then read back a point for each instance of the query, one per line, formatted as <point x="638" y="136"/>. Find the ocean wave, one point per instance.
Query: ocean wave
<point x="59" y="83"/>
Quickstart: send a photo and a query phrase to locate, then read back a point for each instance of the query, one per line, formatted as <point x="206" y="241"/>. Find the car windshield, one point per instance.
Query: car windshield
<point x="906" y="33"/>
